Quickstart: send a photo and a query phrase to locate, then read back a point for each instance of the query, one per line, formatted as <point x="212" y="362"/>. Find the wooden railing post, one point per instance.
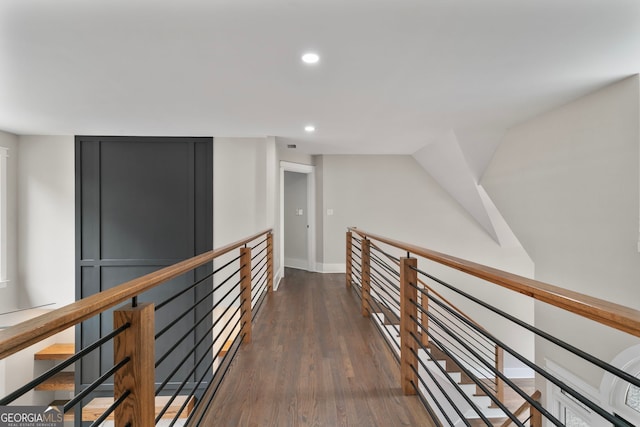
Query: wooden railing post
<point x="500" y="368"/>
<point x="536" y="416"/>
<point x="270" y="261"/>
<point x="137" y="376"/>
<point x="408" y="325"/>
<point x="424" y="319"/>
<point x="245" y="293"/>
<point x="366" y="277"/>
<point x="349" y="260"/>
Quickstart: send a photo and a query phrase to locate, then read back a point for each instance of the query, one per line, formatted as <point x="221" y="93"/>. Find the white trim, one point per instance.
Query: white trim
<point x="277" y="278"/>
<point x="296" y="167"/>
<point x="300" y="264"/>
<point x="556" y="399"/>
<point x="331" y="268"/>
<point x="571" y="379"/>
<point x="614" y="390"/>
<point x="4" y="153"/>
<point x="311" y="210"/>
<point x="519" y="372"/>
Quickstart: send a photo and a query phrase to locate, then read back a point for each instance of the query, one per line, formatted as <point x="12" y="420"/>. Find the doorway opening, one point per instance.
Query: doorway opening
<point x="297" y="216"/>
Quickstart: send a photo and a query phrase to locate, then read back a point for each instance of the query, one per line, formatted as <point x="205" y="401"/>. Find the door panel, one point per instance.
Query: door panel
<point x="142" y="204"/>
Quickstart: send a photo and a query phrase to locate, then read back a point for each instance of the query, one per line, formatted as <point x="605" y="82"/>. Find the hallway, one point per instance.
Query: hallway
<point x="314" y="361"/>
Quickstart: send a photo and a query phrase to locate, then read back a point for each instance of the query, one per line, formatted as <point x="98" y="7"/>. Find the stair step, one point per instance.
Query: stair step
<point x="389" y="317"/>
<point x="477" y="422"/>
<point x="94" y="409"/>
<point x="60" y="403"/>
<point x="60" y="381"/>
<point x="487" y="411"/>
<point x="56" y="352"/>
<point x="225" y="348"/>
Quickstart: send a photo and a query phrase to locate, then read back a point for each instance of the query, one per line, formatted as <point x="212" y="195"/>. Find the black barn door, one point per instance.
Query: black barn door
<point x="143" y="203"/>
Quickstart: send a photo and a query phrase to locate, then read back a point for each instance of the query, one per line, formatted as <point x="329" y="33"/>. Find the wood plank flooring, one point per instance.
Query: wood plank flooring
<point x="314" y="361"/>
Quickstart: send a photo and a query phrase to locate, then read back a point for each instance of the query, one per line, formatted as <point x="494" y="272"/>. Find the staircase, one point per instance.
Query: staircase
<point x="495" y="415"/>
<point x="94" y="409"/>
<point x="62" y="381"/>
<point x="65" y="381"/>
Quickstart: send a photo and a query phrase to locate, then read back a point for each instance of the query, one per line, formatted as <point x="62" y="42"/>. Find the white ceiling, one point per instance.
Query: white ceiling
<point x="394" y="75"/>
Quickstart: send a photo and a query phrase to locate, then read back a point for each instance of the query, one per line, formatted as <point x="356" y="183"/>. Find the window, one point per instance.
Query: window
<point x="633" y="397"/>
<point x="571" y="419"/>
<point x="572" y="413"/>
<point x="565" y="407"/>
<point x="624" y="398"/>
<point x="4" y="153"/>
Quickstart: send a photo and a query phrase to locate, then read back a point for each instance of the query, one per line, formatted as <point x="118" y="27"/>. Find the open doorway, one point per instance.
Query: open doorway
<point x="296" y="220"/>
<point x="297" y="216"/>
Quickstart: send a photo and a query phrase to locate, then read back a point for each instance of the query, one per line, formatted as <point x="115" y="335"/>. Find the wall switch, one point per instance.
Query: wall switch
<point x="329" y="212"/>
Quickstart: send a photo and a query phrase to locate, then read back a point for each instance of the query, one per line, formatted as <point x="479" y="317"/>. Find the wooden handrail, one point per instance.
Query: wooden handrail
<point x="436" y="293"/>
<point x="499" y="352"/>
<point x="526" y="405"/>
<point x="22" y="335"/>
<point x="617" y="316"/>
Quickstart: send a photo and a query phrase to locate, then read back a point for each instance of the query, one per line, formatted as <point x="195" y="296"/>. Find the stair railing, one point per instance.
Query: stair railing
<point x="435" y="342"/>
<point x="494" y="353"/>
<point x="533" y="416"/>
<point x="138" y="395"/>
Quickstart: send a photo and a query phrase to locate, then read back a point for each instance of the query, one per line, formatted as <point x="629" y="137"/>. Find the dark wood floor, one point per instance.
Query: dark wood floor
<point x="314" y="361"/>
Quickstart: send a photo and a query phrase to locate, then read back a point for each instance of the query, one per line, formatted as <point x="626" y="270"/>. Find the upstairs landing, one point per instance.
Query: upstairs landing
<point x="314" y="361"/>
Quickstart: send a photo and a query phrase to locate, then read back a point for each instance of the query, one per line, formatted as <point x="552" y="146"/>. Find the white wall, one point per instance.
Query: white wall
<point x="294" y="156"/>
<point x="9" y="294"/>
<point x="568" y="184"/>
<point x="244" y="197"/>
<point x="245" y="182"/>
<point x="244" y="187"/>
<point x="20" y="368"/>
<point x="46" y="225"/>
<point x="295" y="226"/>
<point x="393" y="196"/>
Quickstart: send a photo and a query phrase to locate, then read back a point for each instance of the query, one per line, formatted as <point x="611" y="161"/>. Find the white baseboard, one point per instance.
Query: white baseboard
<point x="278" y="277"/>
<point x="320" y="267"/>
<point x="301" y="264"/>
<point x="331" y="268"/>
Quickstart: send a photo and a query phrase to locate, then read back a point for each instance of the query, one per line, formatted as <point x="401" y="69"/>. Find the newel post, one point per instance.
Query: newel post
<point x="408" y="325"/>
<point x="536" y="416"/>
<point x="270" y="262"/>
<point x="349" y="258"/>
<point x="366" y="276"/>
<point x="137" y="376"/>
<point x="245" y="293"/>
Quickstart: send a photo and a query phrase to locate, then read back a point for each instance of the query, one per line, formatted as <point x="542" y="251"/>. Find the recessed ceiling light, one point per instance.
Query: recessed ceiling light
<point x="310" y="58"/>
<point x="310" y="128"/>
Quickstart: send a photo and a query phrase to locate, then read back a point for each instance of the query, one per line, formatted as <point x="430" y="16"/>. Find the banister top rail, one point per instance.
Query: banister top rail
<point x="22" y="335"/>
<point x="617" y="316"/>
<point x="436" y="293"/>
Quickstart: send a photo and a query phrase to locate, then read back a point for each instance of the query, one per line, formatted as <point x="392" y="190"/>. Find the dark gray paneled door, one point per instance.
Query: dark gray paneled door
<point x="143" y="203"/>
